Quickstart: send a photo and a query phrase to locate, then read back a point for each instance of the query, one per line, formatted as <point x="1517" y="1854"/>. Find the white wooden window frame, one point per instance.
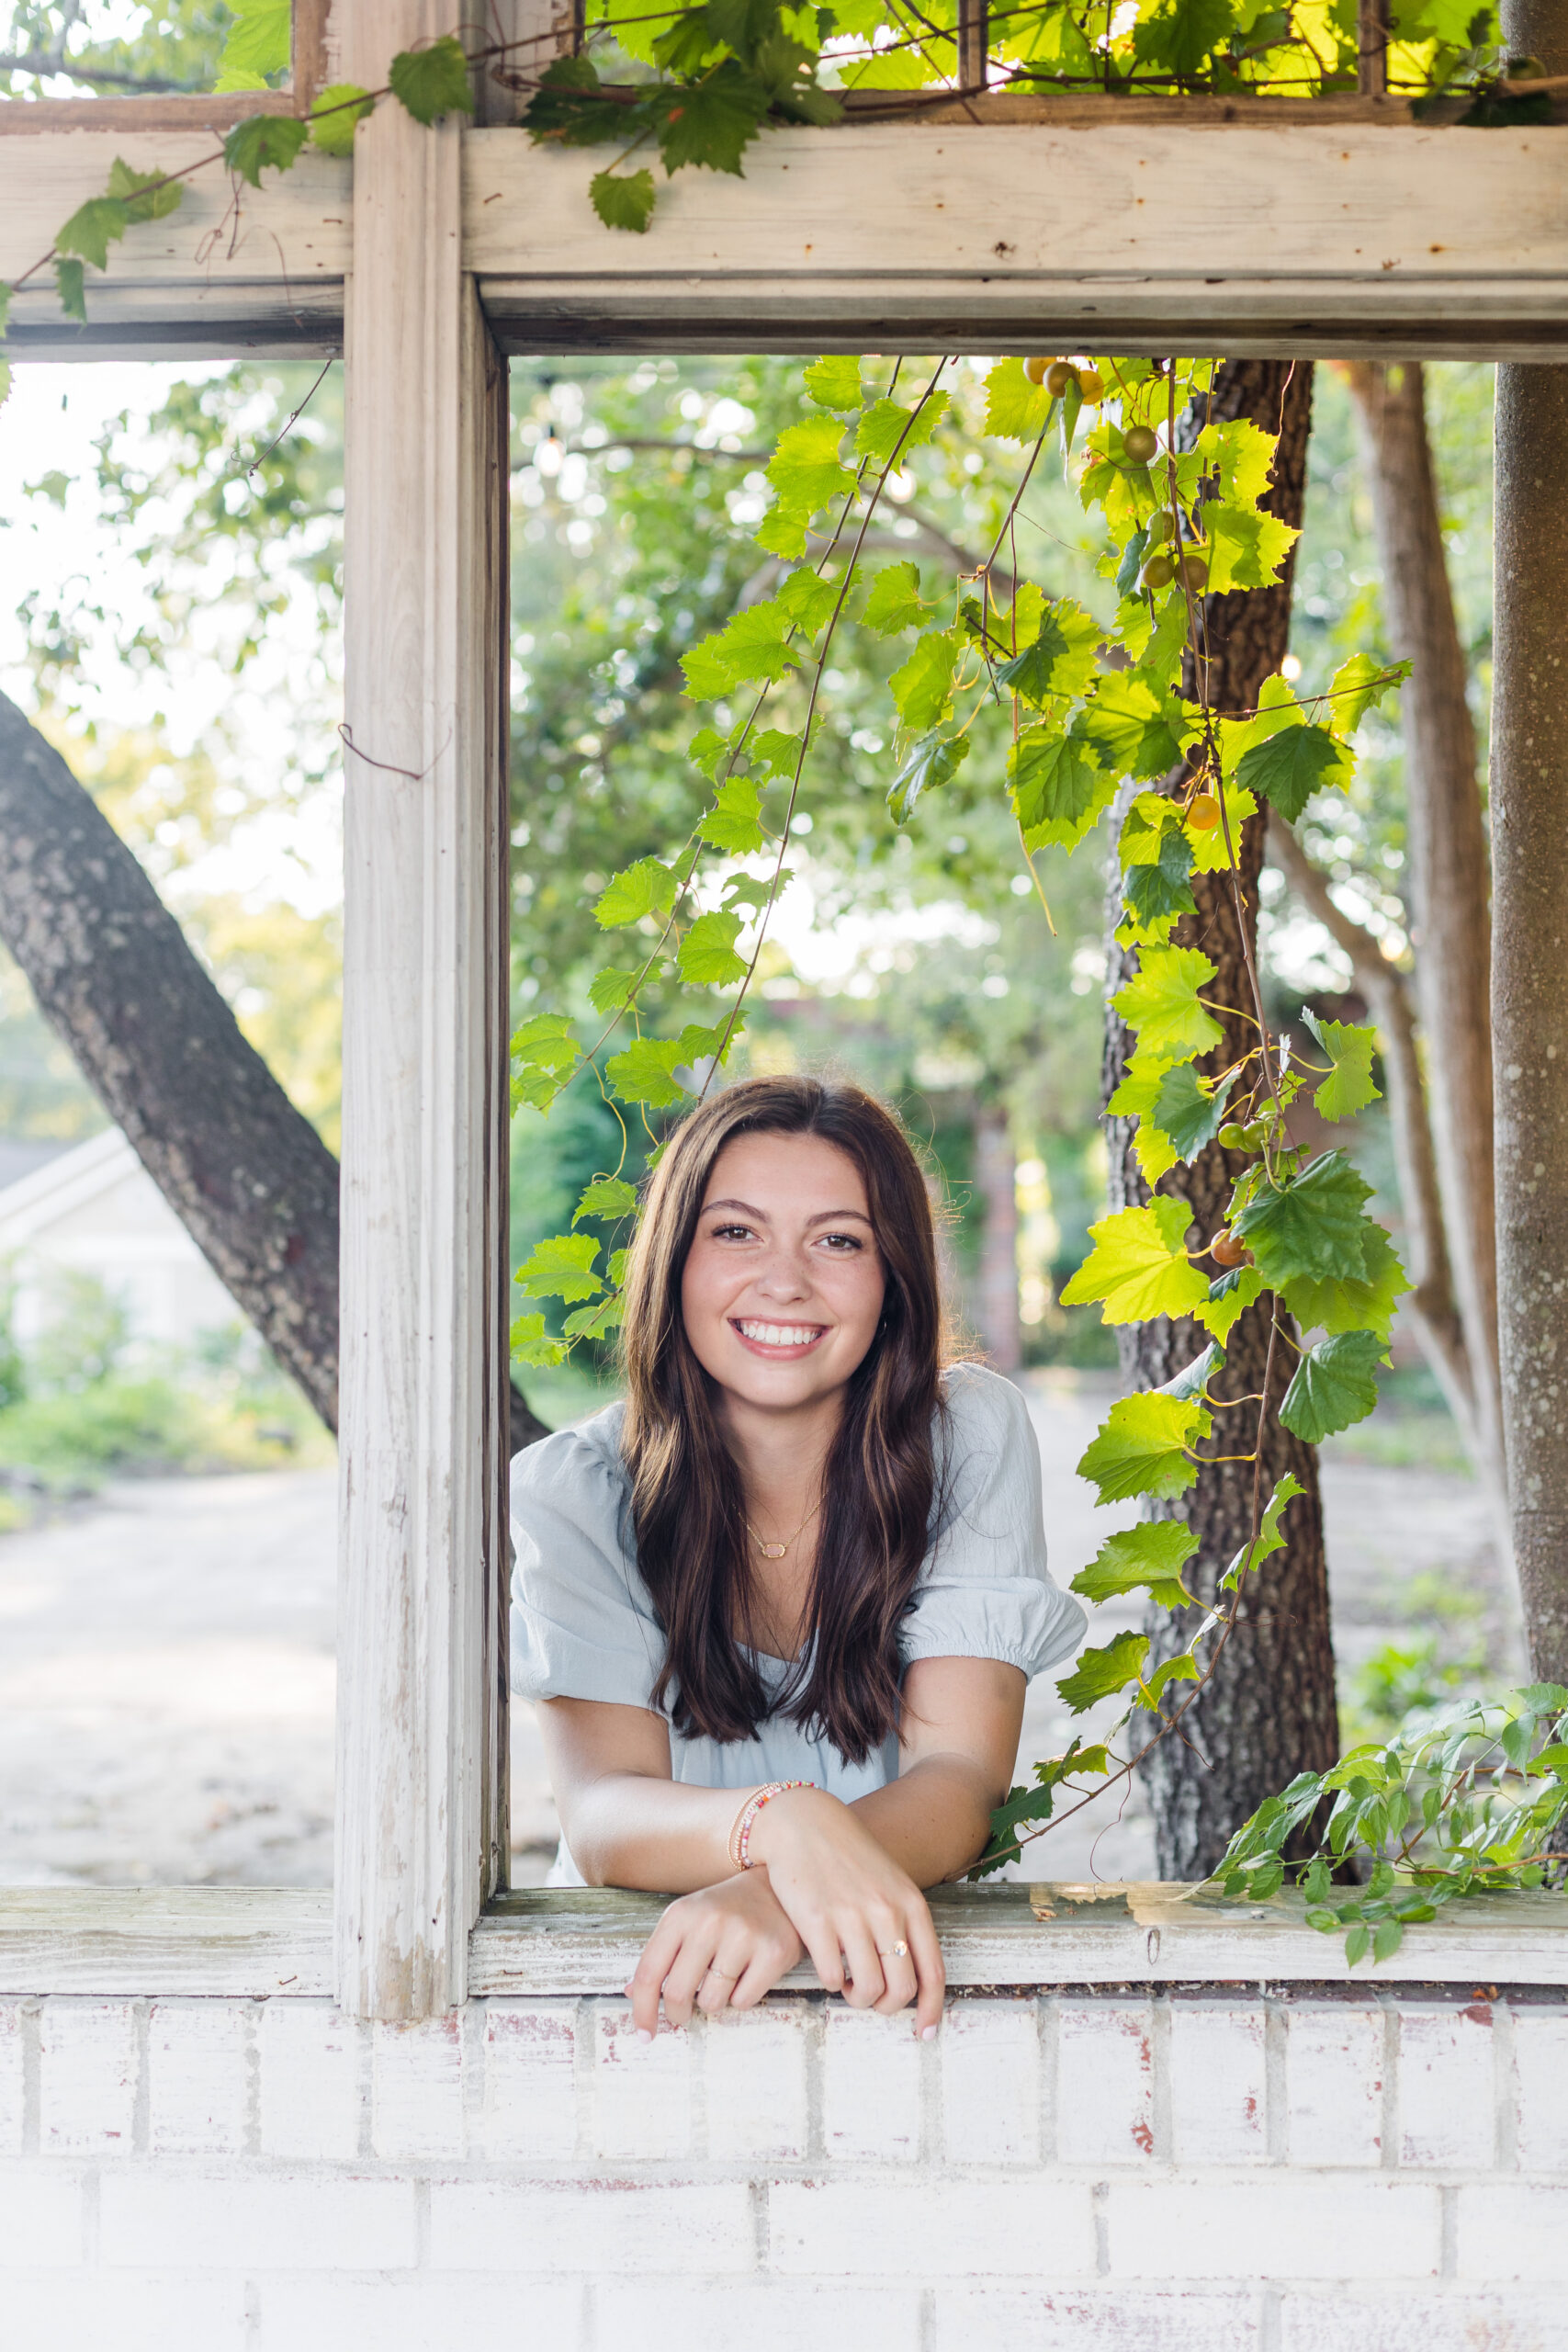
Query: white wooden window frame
<point x="1342" y="230"/>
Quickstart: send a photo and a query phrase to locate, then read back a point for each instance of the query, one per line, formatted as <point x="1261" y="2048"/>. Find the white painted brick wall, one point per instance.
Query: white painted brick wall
<point x="1196" y="2172"/>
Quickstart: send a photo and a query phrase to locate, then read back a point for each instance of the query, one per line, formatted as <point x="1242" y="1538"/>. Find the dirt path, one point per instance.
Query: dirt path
<point x="166" y="1674"/>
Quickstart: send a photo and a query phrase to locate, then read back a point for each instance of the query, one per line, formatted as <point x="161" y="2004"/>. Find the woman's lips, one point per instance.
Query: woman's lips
<point x="778" y="1342"/>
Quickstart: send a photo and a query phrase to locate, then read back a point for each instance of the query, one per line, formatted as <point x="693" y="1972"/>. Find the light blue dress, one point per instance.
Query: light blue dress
<point x="584" y="1625"/>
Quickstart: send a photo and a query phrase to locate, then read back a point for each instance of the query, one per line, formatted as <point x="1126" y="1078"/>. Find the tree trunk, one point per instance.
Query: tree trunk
<point x="1529" y="946"/>
<point x="1449" y="884"/>
<point x="1269" y="1710"/>
<point x="995" y="1180"/>
<point x="247" y="1174"/>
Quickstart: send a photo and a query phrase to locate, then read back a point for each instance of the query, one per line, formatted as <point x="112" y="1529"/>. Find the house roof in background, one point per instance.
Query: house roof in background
<point x="66" y="1182"/>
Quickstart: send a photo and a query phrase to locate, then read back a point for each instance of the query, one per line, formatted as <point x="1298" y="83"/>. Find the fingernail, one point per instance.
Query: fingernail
<point x="928" y="2034"/>
<point x="643" y="2034"/>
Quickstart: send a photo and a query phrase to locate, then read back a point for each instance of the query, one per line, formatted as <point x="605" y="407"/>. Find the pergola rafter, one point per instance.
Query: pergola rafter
<point x="1339" y="230"/>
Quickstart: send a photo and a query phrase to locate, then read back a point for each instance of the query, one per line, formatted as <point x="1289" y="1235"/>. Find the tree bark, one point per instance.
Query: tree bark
<point x="996" y="1180"/>
<point x="1269" y="1710"/>
<point x="1448" y="865"/>
<point x="244" y="1170"/>
<point x="1529" y="946"/>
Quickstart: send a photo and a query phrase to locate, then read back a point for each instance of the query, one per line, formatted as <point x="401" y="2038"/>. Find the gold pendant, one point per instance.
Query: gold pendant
<point x="774" y="1551"/>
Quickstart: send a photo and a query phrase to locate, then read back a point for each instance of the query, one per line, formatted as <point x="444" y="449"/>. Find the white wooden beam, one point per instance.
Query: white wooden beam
<point x="1368" y="235"/>
<point x="423" y="1086"/>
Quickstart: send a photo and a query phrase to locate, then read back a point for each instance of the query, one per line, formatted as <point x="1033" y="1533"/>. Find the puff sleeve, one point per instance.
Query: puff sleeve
<point x="582" y="1627"/>
<point x="984" y="1590"/>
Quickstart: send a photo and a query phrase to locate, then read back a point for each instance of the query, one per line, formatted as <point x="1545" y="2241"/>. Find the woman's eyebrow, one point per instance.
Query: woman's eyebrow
<point x="744" y="1206"/>
<point x="837" y="1216"/>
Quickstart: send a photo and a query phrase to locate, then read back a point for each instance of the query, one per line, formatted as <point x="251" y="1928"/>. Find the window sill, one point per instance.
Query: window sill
<point x="271" y="1941"/>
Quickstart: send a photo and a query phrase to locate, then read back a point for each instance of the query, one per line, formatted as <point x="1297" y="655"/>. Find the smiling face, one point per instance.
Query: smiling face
<point x="783" y="1284"/>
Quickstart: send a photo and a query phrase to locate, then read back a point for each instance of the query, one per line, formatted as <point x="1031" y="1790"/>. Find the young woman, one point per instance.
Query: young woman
<point x="779" y="1609"/>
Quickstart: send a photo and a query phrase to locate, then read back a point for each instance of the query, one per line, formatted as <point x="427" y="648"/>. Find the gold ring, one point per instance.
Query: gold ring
<point x="895" y="1952"/>
<point x="725" y="1973"/>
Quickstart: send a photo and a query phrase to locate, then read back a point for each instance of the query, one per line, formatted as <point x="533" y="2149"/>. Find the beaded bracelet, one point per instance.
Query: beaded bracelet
<point x="741" y="1835"/>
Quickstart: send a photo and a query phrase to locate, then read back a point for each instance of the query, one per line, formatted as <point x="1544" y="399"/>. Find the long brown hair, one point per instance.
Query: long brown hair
<point x="688" y="1509"/>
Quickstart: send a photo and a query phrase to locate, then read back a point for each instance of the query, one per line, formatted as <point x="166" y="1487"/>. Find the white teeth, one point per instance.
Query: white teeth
<point x="781" y="1335"/>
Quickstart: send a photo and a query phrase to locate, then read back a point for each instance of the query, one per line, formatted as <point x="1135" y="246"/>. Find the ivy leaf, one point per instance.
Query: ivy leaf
<point x="888" y="425"/>
<point x="646" y="889"/>
<point x="1188" y="1111"/>
<point x="1138" y="1266"/>
<point x="749" y="649"/>
<point x="92" y="228"/>
<point x="335" y="114"/>
<point x="607" y="1196"/>
<point x="560" y="1267"/>
<point x="266" y="143"/>
<point x="1059" y="792"/>
<point x="922" y="687"/>
<point x="1349" y="1087"/>
<point x="71" y="284"/>
<point x="1153" y="893"/>
<point x="1101" y="1674"/>
<point x="1309" y="1224"/>
<point x="1359" y="685"/>
<point x="734" y="822"/>
<point x="530" y="1345"/>
<point x="933" y="759"/>
<point x="1145" y="1558"/>
<point x="807" y="598"/>
<point x="714" y="123"/>
<point x="895" y="602"/>
<point x="1334" y="1385"/>
<point x="833" y="381"/>
<point x="433" y="82"/>
<point x="707" y="957"/>
<point x="1016" y="410"/>
<point x="1060" y="660"/>
<point x="1142" y="1447"/>
<point x="1161" y="1003"/>
<point x="544" y="1053"/>
<point x="623" y="200"/>
<point x="1337" y="1302"/>
<point x="143" y="198"/>
<point x="1290" y="767"/>
<point x="1270" y="1539"/>
<point x="1228" y="1300"/>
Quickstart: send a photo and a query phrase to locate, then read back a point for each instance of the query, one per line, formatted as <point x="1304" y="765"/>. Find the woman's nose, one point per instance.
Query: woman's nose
<point x="785" y="1275"/>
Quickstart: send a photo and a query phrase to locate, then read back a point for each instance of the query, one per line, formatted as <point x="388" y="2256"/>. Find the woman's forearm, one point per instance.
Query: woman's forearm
<point x="635" y="1829"/>
<point x="933" y="1820"/>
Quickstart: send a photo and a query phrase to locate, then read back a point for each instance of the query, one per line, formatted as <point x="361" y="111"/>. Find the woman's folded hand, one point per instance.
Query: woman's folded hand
<point x="862" y="1918"/>
<point x="723" y="1947"/>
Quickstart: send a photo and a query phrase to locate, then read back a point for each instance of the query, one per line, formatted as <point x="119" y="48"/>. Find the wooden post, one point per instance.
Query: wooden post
<point x="421" y="1715"/>
<point x="1529" y="946"/>
<point x="974" y="38"/>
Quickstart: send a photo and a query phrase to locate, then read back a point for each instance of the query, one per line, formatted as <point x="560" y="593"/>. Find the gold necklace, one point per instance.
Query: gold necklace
<point x="777" y="1551"/>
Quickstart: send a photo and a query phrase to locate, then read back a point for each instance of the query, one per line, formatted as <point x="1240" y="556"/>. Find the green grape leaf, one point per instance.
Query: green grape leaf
<point x="1244" y="549"/>
<point x="591" y="1322"/>
<point x="734" y="822"/>
<point x="1142" y="1450"/>
<point x="71" y="284"/>
<point x="923" y="686"/>
<point x="888" y="427"/>
<point x="706" y="749"/>
<point x="259" y="42"/>
<point x="609" y="991"/>
<point x="1101" y="1674"/>
<point x="266" y="143"/>
<point x="607" y="1196"/>
<point x="775" y="752"/>
<point x="1145" y="1558"/>
<point x="1016" y="410"/>
<point x="335" y="114"/>
<point x="707" y="957"/>
<point x="807" y="474"/>
<point x="143" y="198"/>
<point x="1133" y="731"/>
<point x="1189" y="1110"/>
<point x="1309" y="1223"/>
<point x="1360" y="685"/>
<point x="1195" y="1378"/>
<point x="711" y="123"/>
<point x="1135" y="1099"/>
<point x="645" y="1072"/>
<point x="565" y="107"/>
<point x="833" y="381"/>
<point x="1161" y="1002"/>
<point x="93" y="228"/>
<point x="1060" y="660"/>
<point x="1182" y="1667"/>
<point x="807" y="598"/>
<point x="895" y="603"/>
<point x="1349" y="1087"/>
<point x="933" y="759"/>
<point x="530" y="1344"/>
<point x="1336" y="1303"/>
<point x="1131" y="563"/>
<point x="544" y="1053"/>
<point x="1138" y="1266"/>
<point x="1154" y="893"/>
<point x="1289" y="767"/>
<point x="1269" y="1538"/>
<point x="750" y="649"/>
<point x="646" y="889"/>
<point x="1059" y="792"/>
<point x="433" y="82"/>
<point x="1334" y="1385"/>
<point x="1229" y="1299"/>
<point x="623" y="200"/>
<point x="560" y="1267"/>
